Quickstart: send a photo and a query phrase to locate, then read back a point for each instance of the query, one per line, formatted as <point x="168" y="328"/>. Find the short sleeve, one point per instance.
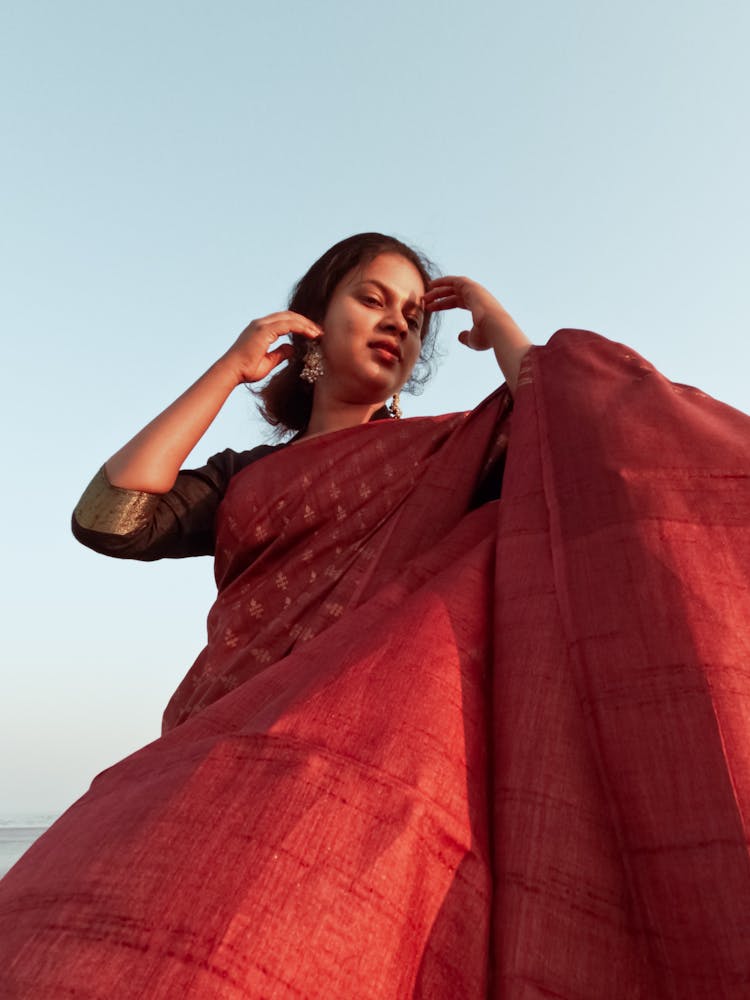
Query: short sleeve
<point x="131" y="524"/>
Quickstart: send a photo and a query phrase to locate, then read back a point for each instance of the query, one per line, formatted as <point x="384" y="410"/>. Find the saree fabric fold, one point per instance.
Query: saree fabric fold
<point x="472" y="720"/>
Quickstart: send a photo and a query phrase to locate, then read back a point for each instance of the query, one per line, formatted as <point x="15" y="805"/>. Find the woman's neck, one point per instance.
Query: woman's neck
<point x="332" y="415"/>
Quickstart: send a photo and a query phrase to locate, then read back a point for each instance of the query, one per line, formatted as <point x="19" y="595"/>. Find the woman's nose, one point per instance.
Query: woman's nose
<point x="395" y="321"/>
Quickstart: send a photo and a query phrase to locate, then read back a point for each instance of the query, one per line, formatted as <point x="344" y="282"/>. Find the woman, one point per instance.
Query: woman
<point x="370" y="298"/>
<point x="439" y="743"/>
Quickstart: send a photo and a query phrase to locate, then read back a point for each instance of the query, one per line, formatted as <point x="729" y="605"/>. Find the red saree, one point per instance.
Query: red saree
<point x="438" y="747"/>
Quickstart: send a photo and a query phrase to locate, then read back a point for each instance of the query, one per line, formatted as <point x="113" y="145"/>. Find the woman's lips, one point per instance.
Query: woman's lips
<point x="386" y="353"/>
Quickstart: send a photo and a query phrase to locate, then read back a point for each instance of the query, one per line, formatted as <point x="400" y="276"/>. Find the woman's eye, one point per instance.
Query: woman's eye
<point x="371" y="301"/>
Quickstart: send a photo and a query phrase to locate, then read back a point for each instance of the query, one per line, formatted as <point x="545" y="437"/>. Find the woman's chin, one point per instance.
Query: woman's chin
<point x="375" y="390"/>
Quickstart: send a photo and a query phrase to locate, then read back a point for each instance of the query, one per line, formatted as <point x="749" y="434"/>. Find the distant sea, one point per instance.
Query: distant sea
<point x="18" y="833"/>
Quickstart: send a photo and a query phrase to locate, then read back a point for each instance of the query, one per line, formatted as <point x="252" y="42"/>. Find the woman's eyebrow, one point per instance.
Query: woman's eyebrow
<point x="386" y="291"/>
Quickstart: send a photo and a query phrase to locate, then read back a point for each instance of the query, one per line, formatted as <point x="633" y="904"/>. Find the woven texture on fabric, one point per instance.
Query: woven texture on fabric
<point x="439" y="748"/>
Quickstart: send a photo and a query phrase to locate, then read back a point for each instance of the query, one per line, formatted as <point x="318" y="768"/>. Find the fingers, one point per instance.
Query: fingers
<point x="454" y="283"/>
<point x="259" y="368"/>
<point x="445" y="292"/>
<point x="446" y="300"/>
<point x="474" y="340"/>
<point x="290" y="322"/>
<point x="465" y="337"/>
<point x="256" y="351"/>
<point x="280" y="354"/>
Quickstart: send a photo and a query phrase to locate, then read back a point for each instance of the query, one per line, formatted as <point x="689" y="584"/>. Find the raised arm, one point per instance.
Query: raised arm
<point x="493" y="327"/>
<point x="151" y="460"/>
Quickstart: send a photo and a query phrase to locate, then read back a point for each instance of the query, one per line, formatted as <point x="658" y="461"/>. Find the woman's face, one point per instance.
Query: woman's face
<point x="372" y="330"/>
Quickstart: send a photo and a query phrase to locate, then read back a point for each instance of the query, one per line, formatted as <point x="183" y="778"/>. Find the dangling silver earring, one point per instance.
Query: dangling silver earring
<point x="394" y="408"/>
<point x="313" y="367"/>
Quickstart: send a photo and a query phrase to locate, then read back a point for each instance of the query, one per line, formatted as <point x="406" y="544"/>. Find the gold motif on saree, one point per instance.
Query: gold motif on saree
<point x="262" y="532"/>
<point x="524" y="371"/>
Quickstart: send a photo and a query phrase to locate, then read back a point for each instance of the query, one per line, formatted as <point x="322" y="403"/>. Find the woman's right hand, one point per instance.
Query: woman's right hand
<point x="151" y="461"/>
<point x="251" y="357"/>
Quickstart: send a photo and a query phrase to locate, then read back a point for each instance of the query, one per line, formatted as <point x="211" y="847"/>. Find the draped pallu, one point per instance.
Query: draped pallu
<point x="443" y="741"/>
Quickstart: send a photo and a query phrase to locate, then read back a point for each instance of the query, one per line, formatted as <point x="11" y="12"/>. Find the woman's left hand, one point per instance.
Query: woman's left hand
<point x="493" y="327"/>
<point x="455" y="292"/>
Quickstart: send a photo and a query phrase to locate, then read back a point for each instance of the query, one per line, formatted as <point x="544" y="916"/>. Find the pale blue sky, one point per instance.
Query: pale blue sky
<point x="170" y="169"/>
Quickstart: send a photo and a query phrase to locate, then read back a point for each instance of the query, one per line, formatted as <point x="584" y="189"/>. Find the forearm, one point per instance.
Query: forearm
<point x="509" y="343"/>
<point x="152" y="459"/>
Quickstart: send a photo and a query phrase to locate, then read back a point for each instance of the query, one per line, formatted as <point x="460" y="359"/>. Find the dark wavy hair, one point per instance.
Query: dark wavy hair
<point x="285" y="401"/>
